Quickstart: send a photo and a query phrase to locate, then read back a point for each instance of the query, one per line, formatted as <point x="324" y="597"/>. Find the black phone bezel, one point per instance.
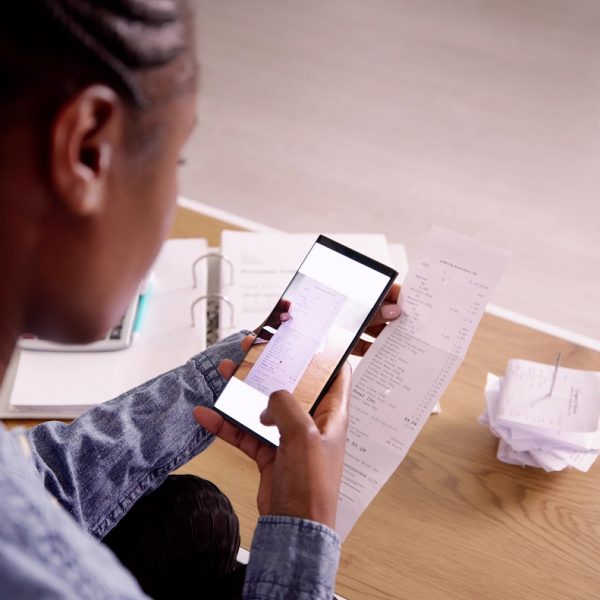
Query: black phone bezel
<point x="362" y="259"/>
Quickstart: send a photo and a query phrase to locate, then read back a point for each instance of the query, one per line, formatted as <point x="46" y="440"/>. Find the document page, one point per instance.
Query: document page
<point x="525" y="399"/>
<point x="538" y="429"/>
<point x="411" y="363"/>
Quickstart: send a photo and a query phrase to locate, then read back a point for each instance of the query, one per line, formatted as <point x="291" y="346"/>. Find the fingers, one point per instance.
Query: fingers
<point x="361" y="348"/>
<point x="227" y="367"/>
<point x="290" y="417"/>
<point x="247" y="342"/>
<point x="387" y="312"/>
<point x="209" y="419"/>
<point x="214" y="423"/>
<point x="285" y="306"/>
<point x="287" y="413"/>
<point x="280" y="314"/>
<point x="337" y="399"/>
<point x="389" y="309"/>
<point x="375" y="330"/>
<point x="393" y="294"/>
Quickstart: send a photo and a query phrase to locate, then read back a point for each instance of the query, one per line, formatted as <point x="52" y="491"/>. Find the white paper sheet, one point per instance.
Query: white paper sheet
<point x="573" y="407"/>
<point x="548" y="448"/>
<point x="411" y="363"/>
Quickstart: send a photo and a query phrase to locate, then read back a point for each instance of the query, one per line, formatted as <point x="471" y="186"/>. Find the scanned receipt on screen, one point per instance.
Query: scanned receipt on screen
<point x="412" y="362"/>
<point x="285" y="359"/>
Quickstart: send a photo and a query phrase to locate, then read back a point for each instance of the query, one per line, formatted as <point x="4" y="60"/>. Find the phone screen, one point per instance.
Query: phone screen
<point x="308" y="335"/>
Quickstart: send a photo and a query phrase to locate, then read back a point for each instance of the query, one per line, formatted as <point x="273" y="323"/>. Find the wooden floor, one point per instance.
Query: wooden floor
<point x="392" y="115"/>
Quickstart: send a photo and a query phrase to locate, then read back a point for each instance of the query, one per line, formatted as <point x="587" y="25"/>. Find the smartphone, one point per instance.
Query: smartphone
<point x="308" y="335"/>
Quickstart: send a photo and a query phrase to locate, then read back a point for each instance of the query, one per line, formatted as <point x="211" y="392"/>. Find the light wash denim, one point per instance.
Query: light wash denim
<point x="63" y="487"/>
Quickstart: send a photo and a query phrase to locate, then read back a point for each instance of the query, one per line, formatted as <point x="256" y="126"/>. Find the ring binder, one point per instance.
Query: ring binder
<point x="206" y="297"/>
<point x="218" y="255"/>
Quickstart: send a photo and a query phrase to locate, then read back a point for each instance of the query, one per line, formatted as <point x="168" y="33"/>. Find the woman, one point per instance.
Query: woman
<point x="96" y="101"/>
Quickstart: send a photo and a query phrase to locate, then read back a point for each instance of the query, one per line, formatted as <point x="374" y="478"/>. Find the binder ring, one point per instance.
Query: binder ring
<point x="206" y="297"/>
<point x="212" y="255"/>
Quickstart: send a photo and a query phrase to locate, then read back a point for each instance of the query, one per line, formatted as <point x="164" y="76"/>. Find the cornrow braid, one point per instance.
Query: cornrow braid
<point x="118" y="39"/>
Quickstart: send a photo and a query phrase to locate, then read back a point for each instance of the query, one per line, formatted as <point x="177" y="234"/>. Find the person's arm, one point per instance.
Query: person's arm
<point x="101" y="464"/>
<point x="43" y="552"/>
<point x="295" y="552"/>
<point x="292" y="557"/>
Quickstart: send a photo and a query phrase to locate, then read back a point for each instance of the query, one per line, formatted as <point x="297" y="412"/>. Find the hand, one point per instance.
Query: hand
<point x="280" y="314"/>
<point x="302" y="477"/>
<point x="388" y="311"/>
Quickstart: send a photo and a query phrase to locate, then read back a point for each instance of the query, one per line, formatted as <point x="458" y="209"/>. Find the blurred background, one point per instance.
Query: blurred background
<point x="390" y="116"/>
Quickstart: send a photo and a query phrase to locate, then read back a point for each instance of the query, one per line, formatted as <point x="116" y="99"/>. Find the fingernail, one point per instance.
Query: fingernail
<point x="390" y="311"/>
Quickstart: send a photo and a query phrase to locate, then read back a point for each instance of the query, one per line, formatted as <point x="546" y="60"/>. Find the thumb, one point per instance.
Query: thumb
<point x="287" y="413"/>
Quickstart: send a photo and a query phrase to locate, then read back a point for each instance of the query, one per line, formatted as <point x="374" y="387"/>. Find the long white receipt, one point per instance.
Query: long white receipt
<point x="412" y="362"/>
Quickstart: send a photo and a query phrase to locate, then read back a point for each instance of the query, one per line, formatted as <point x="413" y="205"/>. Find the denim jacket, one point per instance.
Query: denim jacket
<point x="63" y="487"/>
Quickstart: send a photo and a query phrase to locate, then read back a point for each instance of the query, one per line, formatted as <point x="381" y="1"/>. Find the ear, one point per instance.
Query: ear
<point x="85" y="136"/>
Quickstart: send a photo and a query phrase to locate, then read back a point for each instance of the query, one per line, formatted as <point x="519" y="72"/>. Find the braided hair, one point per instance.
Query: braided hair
<point x="56" y="47"/>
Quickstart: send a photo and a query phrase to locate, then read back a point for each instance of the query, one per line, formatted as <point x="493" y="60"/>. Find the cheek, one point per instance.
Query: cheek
<point x="161" y="205"/>
<point x="168" y="205"/>
<point x="84" y="282"/>
<point x="157" y="204"/>
<point x="140" y="221"/>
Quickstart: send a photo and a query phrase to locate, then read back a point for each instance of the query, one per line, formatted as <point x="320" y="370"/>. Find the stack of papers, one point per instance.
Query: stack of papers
<point x="540" y="429"/>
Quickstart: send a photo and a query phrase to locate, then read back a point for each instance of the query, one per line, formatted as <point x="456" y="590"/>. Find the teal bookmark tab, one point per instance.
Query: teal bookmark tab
<point x="141" y="308"/>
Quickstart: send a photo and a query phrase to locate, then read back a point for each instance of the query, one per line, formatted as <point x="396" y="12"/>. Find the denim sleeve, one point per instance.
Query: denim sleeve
<point x="98" y="466"/>
<point x="292" y="558"/>
<point x="43" y="553"/>
<point x="101" y="464"/>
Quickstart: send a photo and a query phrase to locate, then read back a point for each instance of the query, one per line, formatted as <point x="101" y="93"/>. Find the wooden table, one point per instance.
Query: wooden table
<point x="453" y="522"/>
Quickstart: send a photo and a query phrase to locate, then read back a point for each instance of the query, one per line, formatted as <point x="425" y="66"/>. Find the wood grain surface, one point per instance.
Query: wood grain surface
<point x="453" y="522"/>
<point x="188" y="223"/>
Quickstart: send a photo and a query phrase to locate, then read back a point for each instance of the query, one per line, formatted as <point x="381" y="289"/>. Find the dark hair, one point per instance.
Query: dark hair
<point x="67" y="44"/>
<point x="181" y="541"/>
